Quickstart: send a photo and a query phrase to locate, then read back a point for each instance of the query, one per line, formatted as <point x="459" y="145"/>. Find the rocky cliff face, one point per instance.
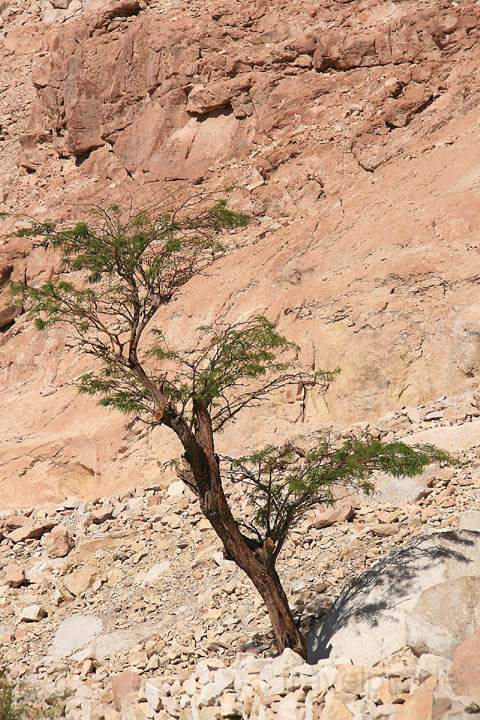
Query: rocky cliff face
<point x="350" y="134"/>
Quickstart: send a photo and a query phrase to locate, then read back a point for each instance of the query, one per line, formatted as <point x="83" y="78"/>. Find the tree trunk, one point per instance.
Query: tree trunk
<point x="263" y="575"/>
<point x="259" y="569"/>
<point x="259" y="565"/>
<point x="285" y="630"/>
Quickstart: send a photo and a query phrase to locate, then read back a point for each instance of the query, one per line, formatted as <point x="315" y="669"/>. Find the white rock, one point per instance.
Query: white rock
<point x="326" y="677"/>
<point x="176" y="489"/>
<point x="32" y="613"/>
<point x="190" y="686"/>
<point x="287" y="708"/>
<point x="431" y="665"/>
<point x="229" y="706"/>
<point x="381" y="612"/>
<point x="153" y="693"/>
<point x="119" y="642"/>
<point x="222" y="680"/>
<point x="469" y="520"/>
<point x="155" y="573"/>
<point x="285" y="661"/>
<point x="452" y="438"/>
<point x="74" y="633"/>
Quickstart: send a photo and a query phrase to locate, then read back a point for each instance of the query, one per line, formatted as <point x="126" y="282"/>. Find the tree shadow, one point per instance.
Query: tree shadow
<point x="371" y="595"/>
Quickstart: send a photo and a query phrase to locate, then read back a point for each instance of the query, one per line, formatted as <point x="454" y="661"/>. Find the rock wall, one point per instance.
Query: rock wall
<point x="350" y="133"/>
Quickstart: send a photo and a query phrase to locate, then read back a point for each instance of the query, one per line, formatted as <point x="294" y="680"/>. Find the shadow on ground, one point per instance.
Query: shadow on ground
<point x="374" y="595"/>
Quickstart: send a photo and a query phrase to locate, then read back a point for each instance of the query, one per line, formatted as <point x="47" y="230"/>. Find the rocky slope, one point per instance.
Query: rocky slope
<point x="106" y="607"/>
<point x="350" y="134"/>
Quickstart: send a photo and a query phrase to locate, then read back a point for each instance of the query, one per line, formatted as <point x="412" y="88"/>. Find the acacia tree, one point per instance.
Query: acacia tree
<point x="117" y="274"/>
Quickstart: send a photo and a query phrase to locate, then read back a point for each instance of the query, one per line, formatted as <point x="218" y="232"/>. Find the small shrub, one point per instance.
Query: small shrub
<point x="22" y="703"/>
<point x="7" y="707"/>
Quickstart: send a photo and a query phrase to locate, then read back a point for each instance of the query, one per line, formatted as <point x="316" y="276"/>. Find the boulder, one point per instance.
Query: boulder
<point x="452" y="438"/>
<point x="32" y="613"/>
<point x="352" y="678"/>
<point x="443" y="615"/>
<point x="419" y="705"/>
<point x="469" y="520"/>
<point x="153" y="693"/>
<point x="74" y="633"/>
<point x="223" y="680"/>
<point x="16" y="521"/>
<point x="335" y="709"/>
<point x="176" y="489"/>
<point x="383" y="529"/>
<point x="101" y="514"/>
<point x="78" y="581"/>
<point x="120" y="641"/>
<point x="30" y="532"/>
<point x="422" y="595"/>
<point x="338" y="514"/>
<point x="59" y="542"/>
<point x="465" y="668"/>
<point x="123" y="685"/>
<point x="155" y="573"/>
<point x="14" y="576"/>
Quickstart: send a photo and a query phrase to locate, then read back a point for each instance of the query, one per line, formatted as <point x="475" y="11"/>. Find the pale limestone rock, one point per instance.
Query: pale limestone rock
<point x="176" y="489"/>
<point x="341" y="513"/>
<point x="429" y="664"/>
<point x="288" y="707"/>
<point x="32" y="613"/>
<point x="469" y="520"/>
<point x="353" y="678"/>
<point x="153" y="693"/>
<point x="74" y="633"/>
<point x="444" y="615"/>
<point x="222" y="680"/>
<point x="229" y="705"/>
<point x="78" y="581"/>
<point x="155" y="573"/>
<point x="335" y="709"/>
<point x="377" y="615"/>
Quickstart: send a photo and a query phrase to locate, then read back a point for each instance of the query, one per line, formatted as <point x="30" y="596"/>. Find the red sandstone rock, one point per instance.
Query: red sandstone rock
<point x="59" y="542"/>
<point x="14" y="576"/>
<point x="30" y="532"/>
<point x="419" y="705"/>
<point x="465" y="668"/>
<point x="124" y="685"/>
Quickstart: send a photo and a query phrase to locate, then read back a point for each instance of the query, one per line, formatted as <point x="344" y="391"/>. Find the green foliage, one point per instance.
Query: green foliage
<point x="142" y="247"/>
<point x="223" y="217"/>
<point x="226" y="370"/>
<point x="284" y="483"/>
<point x="23" y="703"/>
<point x="119" y="272"/>
<point x="7" y="706"/>
<point x="129" y="269"/>
<point x="118" y="388"/>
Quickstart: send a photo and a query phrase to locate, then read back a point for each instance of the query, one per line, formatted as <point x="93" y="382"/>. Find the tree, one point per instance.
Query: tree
<point x="118" y="274"/>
